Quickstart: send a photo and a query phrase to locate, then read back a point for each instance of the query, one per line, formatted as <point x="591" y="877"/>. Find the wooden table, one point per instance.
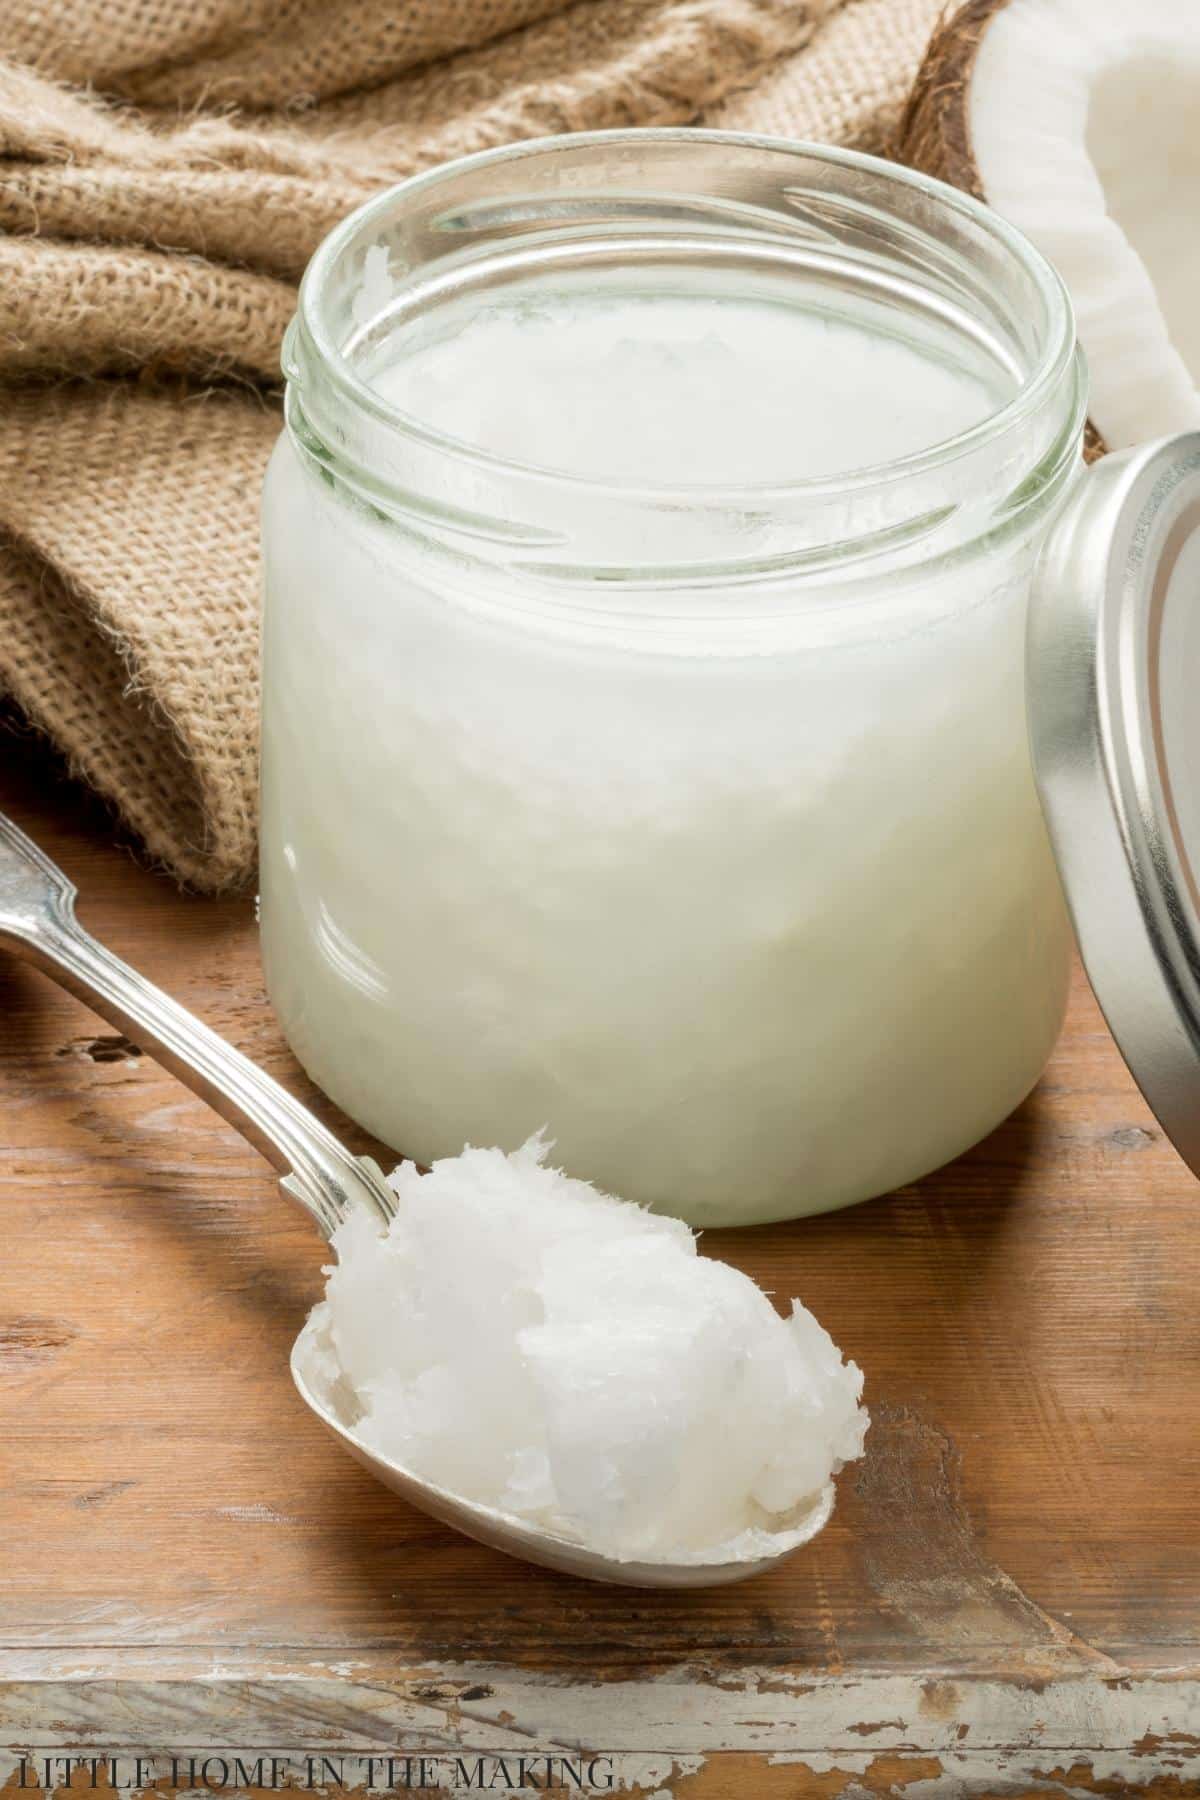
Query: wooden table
<point x="1007" y="1600"/>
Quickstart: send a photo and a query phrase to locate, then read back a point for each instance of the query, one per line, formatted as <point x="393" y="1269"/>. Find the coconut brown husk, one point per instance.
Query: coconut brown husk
<point x="935" y="132"/>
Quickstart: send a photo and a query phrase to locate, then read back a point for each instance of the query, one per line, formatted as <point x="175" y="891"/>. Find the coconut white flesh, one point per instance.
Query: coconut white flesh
<point x="1085" y="126"/>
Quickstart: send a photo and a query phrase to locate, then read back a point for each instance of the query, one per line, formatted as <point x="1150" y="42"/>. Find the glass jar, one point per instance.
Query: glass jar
<point x="694" y="823"/>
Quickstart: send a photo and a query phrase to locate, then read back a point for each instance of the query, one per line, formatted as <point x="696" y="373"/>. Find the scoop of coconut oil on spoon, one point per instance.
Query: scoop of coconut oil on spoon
<point x="550" y="1370"/>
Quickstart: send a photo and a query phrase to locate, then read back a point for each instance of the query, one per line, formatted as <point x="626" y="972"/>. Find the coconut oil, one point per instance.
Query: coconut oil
<point x="549" y="1351"/>
<point x="644" y="745"/>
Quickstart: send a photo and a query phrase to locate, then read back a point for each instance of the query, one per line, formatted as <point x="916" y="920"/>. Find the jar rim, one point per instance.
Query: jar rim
<point x="1057" y="352"/>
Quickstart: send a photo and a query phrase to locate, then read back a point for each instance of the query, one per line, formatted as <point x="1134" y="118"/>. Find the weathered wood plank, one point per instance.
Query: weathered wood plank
<point x="691" y="1734"/>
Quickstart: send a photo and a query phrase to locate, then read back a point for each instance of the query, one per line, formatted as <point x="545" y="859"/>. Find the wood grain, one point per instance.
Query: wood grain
<point x="1028" y="1511"/>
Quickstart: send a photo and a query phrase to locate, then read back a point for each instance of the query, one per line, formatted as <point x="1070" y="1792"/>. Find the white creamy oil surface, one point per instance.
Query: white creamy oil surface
<point x="561" y="1356"/>
<point x="739" y="886"/>
<point x="672" y="389"/>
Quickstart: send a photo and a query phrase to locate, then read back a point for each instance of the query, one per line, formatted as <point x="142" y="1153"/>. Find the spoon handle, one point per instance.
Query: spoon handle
<point x="37" y="921"/>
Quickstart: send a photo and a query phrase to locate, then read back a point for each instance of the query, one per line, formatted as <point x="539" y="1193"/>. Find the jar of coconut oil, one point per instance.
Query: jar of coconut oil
<point x="644" y="747"/>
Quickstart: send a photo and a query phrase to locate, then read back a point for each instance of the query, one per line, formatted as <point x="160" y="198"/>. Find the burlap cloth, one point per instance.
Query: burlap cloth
<point x="168" y="168"/>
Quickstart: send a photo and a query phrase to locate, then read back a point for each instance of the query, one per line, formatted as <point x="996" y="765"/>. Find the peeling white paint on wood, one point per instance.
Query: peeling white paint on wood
<point x="954" y="1733"/>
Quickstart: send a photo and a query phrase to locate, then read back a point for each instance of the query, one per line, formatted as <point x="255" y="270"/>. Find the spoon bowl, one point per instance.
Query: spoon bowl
<point x="516" y="1536"/>
<point x="38" y="923"/>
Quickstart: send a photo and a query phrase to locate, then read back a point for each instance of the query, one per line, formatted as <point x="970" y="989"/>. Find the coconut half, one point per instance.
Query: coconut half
<point x="1079" y="121"/>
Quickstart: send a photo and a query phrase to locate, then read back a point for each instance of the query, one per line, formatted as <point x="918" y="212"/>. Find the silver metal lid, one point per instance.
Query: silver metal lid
<point x="1114" y="714"/>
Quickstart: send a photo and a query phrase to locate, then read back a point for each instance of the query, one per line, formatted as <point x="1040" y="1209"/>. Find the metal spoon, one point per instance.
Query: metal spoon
<point x="37" y="921"/>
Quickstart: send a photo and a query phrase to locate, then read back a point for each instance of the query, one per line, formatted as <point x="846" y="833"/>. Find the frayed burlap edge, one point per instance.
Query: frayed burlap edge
<point x="129" y="604"/>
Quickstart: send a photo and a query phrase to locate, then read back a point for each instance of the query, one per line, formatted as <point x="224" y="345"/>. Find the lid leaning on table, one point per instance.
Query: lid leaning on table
<point x="1114" y="719"/>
